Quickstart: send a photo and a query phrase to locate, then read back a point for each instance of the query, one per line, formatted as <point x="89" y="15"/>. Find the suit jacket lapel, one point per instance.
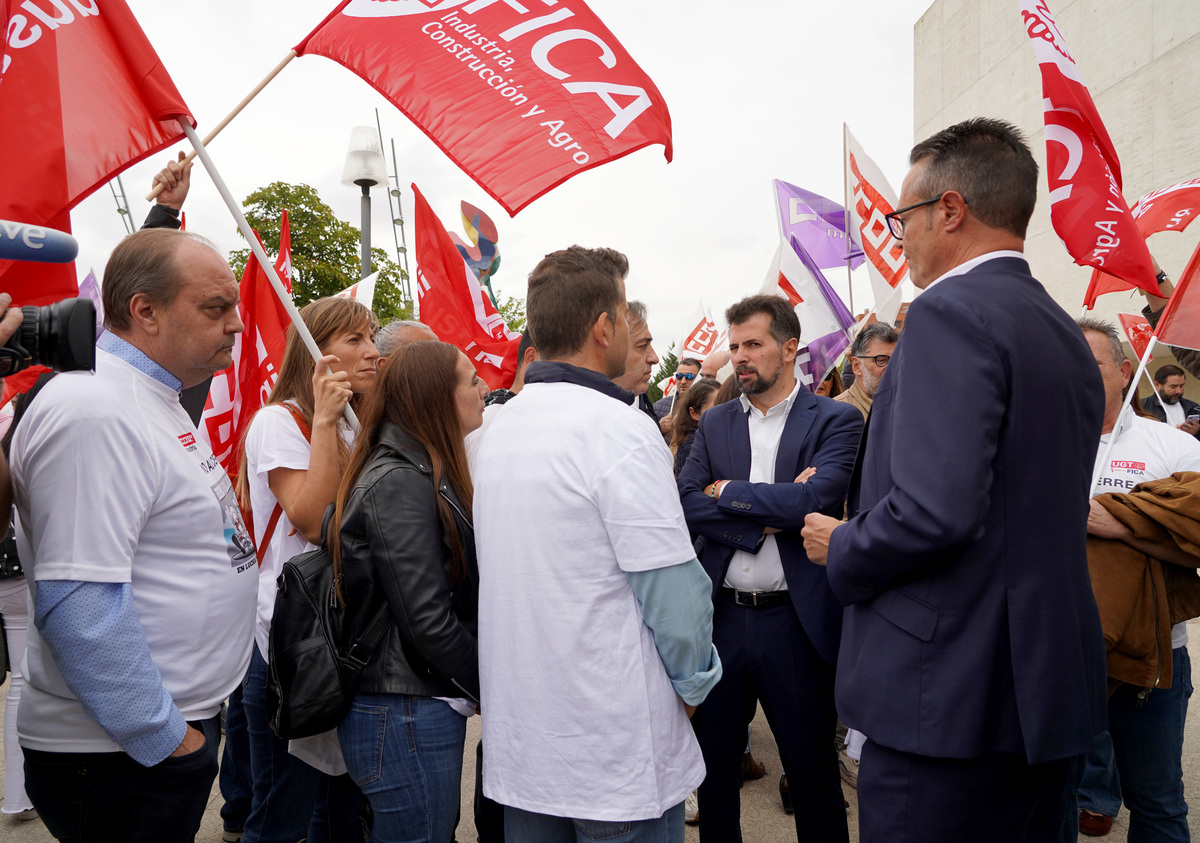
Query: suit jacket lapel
<point x="795" y="430"/>
<point x="739" y="444"/>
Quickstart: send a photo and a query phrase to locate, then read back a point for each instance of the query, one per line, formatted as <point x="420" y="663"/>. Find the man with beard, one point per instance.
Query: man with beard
<point x="869" y="356"/>
<point x="759" y="465"/>
<point x="1169" y="405"/>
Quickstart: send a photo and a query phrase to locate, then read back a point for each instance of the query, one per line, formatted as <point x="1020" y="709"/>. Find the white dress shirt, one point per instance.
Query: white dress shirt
<point x="762" y="571"/>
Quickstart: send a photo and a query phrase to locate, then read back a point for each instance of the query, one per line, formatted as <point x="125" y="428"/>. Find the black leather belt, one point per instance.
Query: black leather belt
<point x="757" y="599"/>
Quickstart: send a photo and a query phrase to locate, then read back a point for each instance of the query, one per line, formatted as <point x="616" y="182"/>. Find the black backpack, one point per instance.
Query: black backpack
<point x="316" y="657"/>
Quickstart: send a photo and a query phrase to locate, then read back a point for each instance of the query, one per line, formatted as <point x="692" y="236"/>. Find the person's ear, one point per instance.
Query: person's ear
<point x="145" y="313"/>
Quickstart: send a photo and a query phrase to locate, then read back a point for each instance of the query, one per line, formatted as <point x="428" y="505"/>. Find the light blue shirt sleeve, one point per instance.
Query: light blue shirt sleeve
<point x="677" y="605"/>
<point x="100" y="648"/>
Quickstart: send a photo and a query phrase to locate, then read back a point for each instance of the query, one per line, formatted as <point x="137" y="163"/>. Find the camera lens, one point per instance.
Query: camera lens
<point x="60" y="336"/>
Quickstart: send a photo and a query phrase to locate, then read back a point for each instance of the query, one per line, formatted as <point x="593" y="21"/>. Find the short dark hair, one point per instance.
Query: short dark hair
<point x="870" y="333"/>
<point x="525" y="344"/>
<point x="1168" y="371"/>
<point x="568" y="290"/>
<point x="988" y="162"/>
<point x="784" y="323"/>
<point x="144" y="262"/>
<point x="688" y="361"/>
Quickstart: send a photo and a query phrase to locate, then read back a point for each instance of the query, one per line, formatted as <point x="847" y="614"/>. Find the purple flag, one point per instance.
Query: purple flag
<point x="89" y="289"/>
<point x="819" y="224"/>
<point x="823" y="351"/>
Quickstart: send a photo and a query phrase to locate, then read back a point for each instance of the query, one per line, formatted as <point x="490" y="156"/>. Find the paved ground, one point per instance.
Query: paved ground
<point x="763" y="818"/>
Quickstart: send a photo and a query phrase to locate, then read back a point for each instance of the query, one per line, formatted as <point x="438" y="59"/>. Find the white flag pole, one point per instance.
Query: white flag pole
<point x="846" y="215"/>
<point x="237" y="109"/>
<point x="1112" y="437"/>
<point x="263" y="261"/>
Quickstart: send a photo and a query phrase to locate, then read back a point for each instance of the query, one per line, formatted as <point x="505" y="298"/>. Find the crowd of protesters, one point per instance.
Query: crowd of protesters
<point x="990" y="593"/>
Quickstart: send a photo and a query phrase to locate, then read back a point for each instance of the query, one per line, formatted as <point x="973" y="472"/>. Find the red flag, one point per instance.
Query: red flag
<point x="1138" y="331"/>
<point x="522" y="98"/>
<point x="1180" y="321"/>
<point x="1166" y="209"/>
<point x="1087" y="209"/>
<point x="452" y="302"/>
<point x="238" y="392"/>
<point x="82" y="96"/>
<point x="701" y="339"/>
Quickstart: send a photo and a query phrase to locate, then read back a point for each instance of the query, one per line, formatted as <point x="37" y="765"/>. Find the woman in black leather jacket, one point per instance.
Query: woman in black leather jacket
<point x="406" y="542"/>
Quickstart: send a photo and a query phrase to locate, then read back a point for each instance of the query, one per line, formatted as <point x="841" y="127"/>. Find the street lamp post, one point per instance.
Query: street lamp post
<point x="366" y="168"/>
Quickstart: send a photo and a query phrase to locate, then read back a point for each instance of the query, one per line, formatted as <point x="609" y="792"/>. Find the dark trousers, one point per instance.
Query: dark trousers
<point x="905" y="798"/>
<point x="767" y="658"/>
<point x="107" y="796"/>
<point x="234" y="779"/>
<point x="489" y="815"/>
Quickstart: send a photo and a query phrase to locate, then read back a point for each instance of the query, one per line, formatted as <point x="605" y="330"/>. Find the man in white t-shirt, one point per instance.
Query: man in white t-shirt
<point x="595" y="621"/>
<point x="1145" y="724"/>
<point x="143" y="574"/>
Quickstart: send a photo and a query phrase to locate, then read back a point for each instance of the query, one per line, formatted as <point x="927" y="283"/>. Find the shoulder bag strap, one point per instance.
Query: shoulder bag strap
<point x="261" y="549"/>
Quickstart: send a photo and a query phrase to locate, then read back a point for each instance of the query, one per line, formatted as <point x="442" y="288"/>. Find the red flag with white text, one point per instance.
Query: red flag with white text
<point x="1087" y="208"/>
<point x="82" y="96"/>
<point x="521" y="97"/>
<point x="452" y="302"/>
<point x="238" y="392"/>
<point x="1137" y="331"/>
<point x="1166" y="209"/>
<point x="701" y="337"/>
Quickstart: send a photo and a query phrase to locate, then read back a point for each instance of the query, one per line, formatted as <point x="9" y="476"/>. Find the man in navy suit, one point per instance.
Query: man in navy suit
<point x="758" y="466"/>
<point x="972" y="655"/>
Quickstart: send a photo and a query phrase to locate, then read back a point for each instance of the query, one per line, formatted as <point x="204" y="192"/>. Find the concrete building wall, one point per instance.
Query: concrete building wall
<point x="1141" y="61"/>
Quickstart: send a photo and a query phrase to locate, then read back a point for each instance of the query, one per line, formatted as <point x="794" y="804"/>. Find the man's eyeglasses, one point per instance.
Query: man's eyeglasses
<point x="881" y="360"/>
<point x="896" y="222"/>
<point x="685" y="376"/>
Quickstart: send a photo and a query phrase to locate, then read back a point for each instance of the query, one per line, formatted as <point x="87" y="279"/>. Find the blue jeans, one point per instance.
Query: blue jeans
<point x="234" y="777"/>
<point x="285" y="788"/>
<point x="1100" y="791"/>
<point x="406" y="755"/>
<point x="1147" y="736"/>
<point x="529" y="827"/>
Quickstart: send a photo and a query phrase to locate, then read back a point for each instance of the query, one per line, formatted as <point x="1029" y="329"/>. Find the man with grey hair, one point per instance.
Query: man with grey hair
<point x="401" y="332"/>
<point x="641" y="360"/>
<point x="963" y="567"/>
<point x="143" y="576"/>
<point x="869" y="356"/>
<point x="1139" y="759"/>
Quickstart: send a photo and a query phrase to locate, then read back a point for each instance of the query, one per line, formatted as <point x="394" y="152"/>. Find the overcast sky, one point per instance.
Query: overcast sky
<point x="756" y="91"/>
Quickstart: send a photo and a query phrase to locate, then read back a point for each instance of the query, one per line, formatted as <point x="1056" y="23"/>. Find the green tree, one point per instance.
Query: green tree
<point x="666" y="367"/>
<point x="513" y="311"/>
<point x="326" y="251"/>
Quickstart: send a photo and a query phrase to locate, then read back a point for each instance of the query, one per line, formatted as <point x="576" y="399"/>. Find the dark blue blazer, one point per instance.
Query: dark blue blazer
<point x="818" y="432"/>
<point x="971" y="624"/>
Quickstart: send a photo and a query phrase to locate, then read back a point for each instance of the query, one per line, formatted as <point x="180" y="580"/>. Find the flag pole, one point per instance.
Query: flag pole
<point x="1112" y="438"/>
<point x="237" y="109"/>
<point x="846" y="216"/>
<point x="256" y="247"/>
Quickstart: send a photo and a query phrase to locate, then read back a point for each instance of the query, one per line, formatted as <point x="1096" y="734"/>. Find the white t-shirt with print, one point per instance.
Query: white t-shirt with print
<point x="112" y="484"/>
<point x="573" y="489"/>
<point x="1147" y="450"/>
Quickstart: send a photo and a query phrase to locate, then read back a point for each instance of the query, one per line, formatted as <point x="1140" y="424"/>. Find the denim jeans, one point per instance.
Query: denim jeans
<point x="529" y="827"/>
<point x="1147" y="735"/>
<point x="107" y="796"/>
<point x="406" y="755"/>
<point x="284" y="787"/>
<point x="1100" y="791"/>
<point x="234" y="778"/>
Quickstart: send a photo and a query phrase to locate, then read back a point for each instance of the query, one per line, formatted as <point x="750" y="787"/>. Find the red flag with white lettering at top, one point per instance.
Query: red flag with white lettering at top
<point x="452" y="302"/>
<point x="240" y="391"/>
<point x="1087" y="208"/>
<point x="521" y="96"/>
<point x="82" y="96"/>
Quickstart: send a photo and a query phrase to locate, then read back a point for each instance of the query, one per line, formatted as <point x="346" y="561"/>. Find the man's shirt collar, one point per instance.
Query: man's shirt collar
<point x="137" y="358"/>
<point x="783" y="406"/>
<point x="963" y="268"/>
<point x="547" y="371"/>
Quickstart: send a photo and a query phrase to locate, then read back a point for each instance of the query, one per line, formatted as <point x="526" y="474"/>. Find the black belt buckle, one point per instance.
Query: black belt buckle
<point x="756" y="599"/>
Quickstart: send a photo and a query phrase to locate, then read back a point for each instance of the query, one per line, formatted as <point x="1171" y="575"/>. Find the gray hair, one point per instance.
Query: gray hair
<point x="637" y="313"/>
<point x="388" y="338"/>
<point x="1109" y="331"/>
<point x="870" y="333"/>
<point x="145" y="263"/>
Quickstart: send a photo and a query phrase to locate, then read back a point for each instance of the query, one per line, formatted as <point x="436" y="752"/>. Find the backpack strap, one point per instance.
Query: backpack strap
<point x="261" y="549"/>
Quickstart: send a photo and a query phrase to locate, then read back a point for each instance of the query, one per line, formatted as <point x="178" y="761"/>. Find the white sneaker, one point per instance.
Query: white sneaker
<point x="27" y="815"/>
<point x="691" y="809"/>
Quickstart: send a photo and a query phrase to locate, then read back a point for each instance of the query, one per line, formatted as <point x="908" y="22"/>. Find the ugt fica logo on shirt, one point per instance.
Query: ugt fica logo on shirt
<point x="188" y="441"/>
